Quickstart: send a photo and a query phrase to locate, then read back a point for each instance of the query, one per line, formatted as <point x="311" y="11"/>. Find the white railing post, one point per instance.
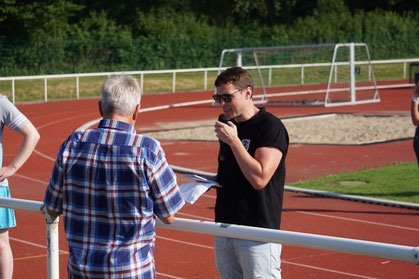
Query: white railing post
<point x="205" y="80"/>
<point x="352" y="72"/>
<point x="52" y="247"/>
<point x="45" y="90"/>
<point x="174" y="82"/>
<point x="77" y="87"/>
<point x="302" y="75"/>
<point x="142" y="82"/>
<point x="13" y="91"/>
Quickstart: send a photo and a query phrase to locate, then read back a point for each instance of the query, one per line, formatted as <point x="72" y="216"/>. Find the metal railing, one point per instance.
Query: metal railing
<point x="204" y="71"/>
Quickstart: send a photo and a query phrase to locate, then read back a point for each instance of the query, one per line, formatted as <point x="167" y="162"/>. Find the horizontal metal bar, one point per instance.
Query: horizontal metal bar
<point x="338" y="244"/>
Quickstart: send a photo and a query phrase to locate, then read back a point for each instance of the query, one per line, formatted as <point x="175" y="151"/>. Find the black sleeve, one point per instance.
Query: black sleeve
<point x="274" y="134"/>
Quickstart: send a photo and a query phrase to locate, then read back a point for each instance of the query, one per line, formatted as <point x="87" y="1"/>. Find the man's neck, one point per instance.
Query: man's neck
<point x="249" y="113"/>
<point x="122" y="118"/>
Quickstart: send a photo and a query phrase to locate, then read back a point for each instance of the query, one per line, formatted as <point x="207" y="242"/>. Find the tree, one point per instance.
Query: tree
<point x="25" y="19"/>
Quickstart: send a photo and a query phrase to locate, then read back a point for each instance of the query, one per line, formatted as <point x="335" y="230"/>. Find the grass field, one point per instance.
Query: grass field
<point x="65" y="88"/>
<point x="399" y="182"/>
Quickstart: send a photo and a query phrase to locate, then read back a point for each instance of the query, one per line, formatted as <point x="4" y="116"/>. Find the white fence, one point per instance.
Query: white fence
<point x="338" y="244"/>
<point x="205" y="72"/>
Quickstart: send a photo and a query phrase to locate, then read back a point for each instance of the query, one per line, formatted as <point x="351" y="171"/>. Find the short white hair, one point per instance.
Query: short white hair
<point x="121" y="94"/>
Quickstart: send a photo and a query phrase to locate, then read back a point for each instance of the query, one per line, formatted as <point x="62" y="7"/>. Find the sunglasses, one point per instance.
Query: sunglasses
<point x="226" y="97"/>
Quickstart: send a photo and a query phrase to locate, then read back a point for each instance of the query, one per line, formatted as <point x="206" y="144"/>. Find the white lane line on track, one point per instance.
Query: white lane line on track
<point x="329" y="270"/>
<point x="209" y="196"/>
<point x="43" y="155"/>
<point x="168" y="276"/>
<point x="358" y="220"/>
<point x="196" y="217"/>
<point x="62" y="120"/>
<point x="88" y="124"/>
<point x="31" y="179"/>
<point x="33" y="244"/>
<point x="185" y="242"/>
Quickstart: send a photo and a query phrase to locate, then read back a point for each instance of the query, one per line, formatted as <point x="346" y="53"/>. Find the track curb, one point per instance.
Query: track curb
<point x="377" y="201"/>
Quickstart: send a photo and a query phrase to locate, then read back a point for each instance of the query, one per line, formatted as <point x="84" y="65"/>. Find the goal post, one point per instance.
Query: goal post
<point x="331" y="74"/>
<point x="361" y="92"/>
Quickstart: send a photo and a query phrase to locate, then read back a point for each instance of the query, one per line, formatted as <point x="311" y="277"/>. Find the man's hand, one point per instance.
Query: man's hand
<point x="226" y="132"/>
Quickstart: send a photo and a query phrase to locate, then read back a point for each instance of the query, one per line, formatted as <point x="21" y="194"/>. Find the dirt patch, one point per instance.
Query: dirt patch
<point x="323" y="129"/>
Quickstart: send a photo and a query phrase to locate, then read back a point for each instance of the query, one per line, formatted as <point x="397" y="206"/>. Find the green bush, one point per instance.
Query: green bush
<point x="166" y="39"/>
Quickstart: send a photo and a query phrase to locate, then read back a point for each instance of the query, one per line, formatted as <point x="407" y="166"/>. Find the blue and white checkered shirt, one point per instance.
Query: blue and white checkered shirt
<point x="110" y="183"/>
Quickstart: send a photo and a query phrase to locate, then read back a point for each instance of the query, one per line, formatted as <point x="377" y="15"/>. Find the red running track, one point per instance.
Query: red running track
<point x="189" y="255"/>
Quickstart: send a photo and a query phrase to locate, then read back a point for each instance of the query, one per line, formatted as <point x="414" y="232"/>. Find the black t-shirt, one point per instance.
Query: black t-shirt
<point x="237" y="201"/>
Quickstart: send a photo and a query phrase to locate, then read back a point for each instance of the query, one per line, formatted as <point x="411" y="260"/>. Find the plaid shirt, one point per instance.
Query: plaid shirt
<point x="110" y="183"/>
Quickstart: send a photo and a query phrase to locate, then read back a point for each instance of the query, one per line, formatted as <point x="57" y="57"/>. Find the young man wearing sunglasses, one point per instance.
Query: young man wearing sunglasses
<point x="251" y="171"/>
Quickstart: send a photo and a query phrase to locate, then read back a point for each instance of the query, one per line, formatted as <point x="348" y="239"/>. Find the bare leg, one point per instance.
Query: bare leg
<point x="6" y="256"/>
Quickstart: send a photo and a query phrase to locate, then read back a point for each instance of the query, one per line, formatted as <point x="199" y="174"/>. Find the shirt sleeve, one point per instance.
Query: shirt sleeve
<point x="275" y="135"/>
<point x="163" y="186"/>
<point x="10" y="115"/>
<point x="53" y="199"/>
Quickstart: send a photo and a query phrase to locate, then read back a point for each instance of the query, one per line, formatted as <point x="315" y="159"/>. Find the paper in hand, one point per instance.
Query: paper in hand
<point x="191" y="191"/>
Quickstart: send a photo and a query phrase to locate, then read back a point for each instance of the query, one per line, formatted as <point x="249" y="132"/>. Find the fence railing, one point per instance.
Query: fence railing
<point x="337" y="244"/>
<point x="204" y="71"/>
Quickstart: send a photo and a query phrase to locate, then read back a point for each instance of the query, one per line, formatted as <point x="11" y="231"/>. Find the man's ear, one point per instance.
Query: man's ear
<point x="100" y="108"/>
<point x="136" y="113"/>
<point x="248" y="93"/>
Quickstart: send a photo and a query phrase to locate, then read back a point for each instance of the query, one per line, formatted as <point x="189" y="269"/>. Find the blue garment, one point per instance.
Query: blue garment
<point x="110" y="183"/>
<point x="7" y="215"/>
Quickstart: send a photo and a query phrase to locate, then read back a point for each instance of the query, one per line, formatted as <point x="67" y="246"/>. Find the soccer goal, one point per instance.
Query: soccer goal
<point x="326" y="74"/>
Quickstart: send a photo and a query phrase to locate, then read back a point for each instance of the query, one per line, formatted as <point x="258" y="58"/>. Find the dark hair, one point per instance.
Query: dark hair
<point x="237" y="76"/>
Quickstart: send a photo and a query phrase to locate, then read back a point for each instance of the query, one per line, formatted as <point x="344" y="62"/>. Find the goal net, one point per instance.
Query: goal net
<point x="327" y="74"/>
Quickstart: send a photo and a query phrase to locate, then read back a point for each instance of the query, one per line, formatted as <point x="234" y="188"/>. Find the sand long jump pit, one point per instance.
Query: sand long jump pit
<point x="335" y="129"/>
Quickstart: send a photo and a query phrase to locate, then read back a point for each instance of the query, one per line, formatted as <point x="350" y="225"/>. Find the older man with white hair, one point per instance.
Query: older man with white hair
<point x="110" y="183"/>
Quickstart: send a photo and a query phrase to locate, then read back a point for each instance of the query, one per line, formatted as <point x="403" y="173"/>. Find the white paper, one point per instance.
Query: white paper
<point x="197" y="177"/>
<point x="191" y="191"/>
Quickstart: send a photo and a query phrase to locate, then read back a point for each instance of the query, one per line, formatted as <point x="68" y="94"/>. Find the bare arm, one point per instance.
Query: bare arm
<point x="30" y="139"/>
<point x="258" y="170"/>
<point x="414" y="107"/>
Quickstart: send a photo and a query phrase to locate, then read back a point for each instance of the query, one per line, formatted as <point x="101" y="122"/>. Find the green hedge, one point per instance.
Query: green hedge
<point x="183" y="42"/>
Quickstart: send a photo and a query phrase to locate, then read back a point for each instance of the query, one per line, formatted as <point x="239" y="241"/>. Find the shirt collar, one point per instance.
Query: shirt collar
<point x="117" y="125"/>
